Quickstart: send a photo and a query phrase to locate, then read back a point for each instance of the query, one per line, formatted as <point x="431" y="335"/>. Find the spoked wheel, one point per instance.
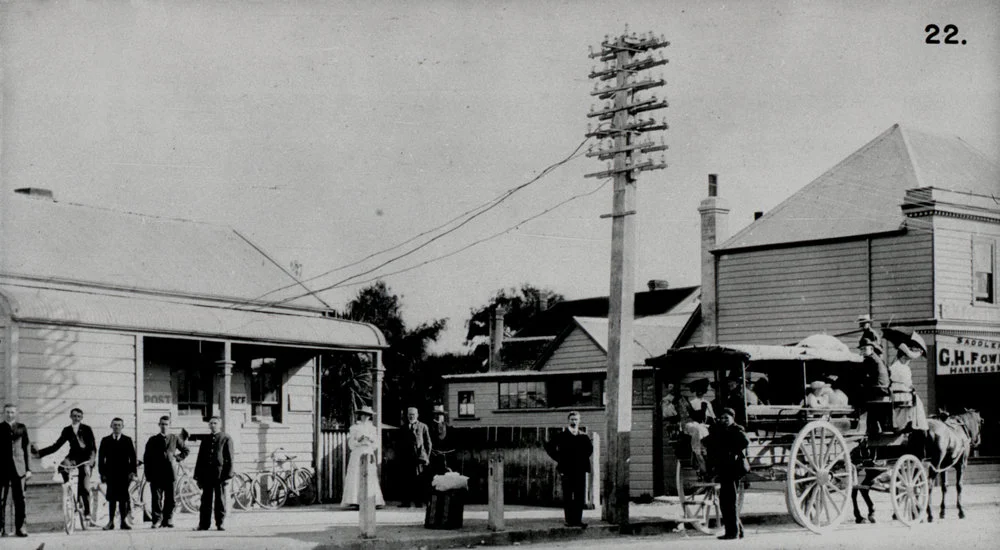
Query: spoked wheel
<point x="80" y="513"/>
<point x="270" y="491"/>
<point x="909" y="489"/>
<point x="188" y="495"/>
<point x="818" y="487"/>
<point x="242" y="491"/>
<point x="302" y="486"/>
<point x="700" y="506"/>
<point x="69" y="509"/>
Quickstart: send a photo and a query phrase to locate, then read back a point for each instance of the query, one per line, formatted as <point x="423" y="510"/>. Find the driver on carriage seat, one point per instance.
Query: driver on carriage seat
<point x="876" y="386"/>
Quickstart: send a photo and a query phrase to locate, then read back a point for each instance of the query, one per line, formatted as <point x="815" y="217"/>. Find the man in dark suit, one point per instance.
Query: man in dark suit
<point x="571" y="449"/>
<point x="14" y="470"/>
<point x="212" y="472"/>
<point x="82" y="452"/>
<point x="416" y="455"/>
<point x="162" y="450"/>
<point x="116" y="464"/>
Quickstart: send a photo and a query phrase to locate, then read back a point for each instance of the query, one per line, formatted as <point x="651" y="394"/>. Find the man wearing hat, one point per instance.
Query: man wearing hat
<point x="728" y="444"/>
<point x="867" y="332"/>
<point x="876" y="385"/>
<point x="819" y="395"/>
<point x="439" y="436"/>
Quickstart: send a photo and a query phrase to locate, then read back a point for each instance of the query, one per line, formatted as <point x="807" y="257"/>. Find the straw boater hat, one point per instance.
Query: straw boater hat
<point x="862" y="319"/>
<point x="365" y="410"/>
<point x="817" y="385"/>
<point x="439" y="411"/>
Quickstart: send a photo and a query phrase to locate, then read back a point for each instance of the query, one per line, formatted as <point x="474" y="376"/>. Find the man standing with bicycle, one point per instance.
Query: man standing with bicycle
<point x="162" y="450"/>
<point x="212" y="472"/>
<point x="82" y="452"/>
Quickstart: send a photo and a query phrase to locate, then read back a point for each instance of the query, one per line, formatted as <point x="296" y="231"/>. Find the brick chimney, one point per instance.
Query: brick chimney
<point x="714" y="212"/>
<point x="496" y="338"/>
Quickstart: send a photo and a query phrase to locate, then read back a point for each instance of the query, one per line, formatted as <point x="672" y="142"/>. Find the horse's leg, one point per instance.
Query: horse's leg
<point x="959" y="470"/>
<point x="944" y="489"/>
<point x="931" y="480"/>
<point x="854" y="501"/>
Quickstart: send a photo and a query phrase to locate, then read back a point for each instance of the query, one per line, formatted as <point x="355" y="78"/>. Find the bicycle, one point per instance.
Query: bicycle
<point x="72" y="502"/>
<point x="242" y="491"/>
<point x="272" y="489"/>
<point x="186" y="492"/>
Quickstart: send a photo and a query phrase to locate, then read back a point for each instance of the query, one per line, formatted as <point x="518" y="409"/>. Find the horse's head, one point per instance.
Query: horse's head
<point x="972" y="422"/>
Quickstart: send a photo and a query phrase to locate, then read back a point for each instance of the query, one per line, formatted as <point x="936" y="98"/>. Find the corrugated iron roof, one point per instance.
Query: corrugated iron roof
<point x="862" y="194"/>
<point x="651" y="336"/>
<point x="53" y="241"/>
<point x="164" y="316"/>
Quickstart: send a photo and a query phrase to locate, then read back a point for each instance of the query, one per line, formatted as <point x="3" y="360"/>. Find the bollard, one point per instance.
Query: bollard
<point x="366" y="499"/>
<point x="495" y="487"/>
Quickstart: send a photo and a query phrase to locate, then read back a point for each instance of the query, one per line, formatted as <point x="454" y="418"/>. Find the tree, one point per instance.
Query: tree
<point x="520" y="305"/>
<point x="378" y="305"/>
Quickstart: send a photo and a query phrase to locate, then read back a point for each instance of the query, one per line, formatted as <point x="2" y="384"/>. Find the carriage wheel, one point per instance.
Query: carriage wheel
<point x="697" y="507"/>
<point x="908" y="488"/>
<point x="818" y="487"/>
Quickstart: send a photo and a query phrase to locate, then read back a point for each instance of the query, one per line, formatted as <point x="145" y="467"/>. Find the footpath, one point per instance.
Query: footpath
<point x="324" y="527"/>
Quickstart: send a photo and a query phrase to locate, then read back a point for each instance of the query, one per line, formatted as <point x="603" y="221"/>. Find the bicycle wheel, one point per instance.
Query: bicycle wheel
<point x="270" y="491"/>
<point x="301" y="482"/>
<point x="80" y="513"/>
<point x="242" y="491"/>
<point x="188" y="495"/>
<point x="69" y="509"/>
<point x="141" y="498"/>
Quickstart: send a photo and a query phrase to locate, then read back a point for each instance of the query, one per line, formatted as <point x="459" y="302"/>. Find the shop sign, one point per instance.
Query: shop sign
<point x="967" y="355"/>
<point x="163" y="398"/>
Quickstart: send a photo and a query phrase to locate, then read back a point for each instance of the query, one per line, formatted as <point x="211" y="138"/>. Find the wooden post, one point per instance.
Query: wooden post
<point x="495" y="492"/>
<point x="595" y="472"/>
<point x="378" y="375"/>
<point x="318" y="428"/>
<point x="366" y="501"/>
<point x="226" y="395"/>
<point x="621" y="313"/>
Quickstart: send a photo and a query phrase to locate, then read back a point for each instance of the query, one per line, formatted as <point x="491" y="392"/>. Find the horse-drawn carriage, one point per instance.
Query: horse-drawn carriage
<point x="811" y="452"/>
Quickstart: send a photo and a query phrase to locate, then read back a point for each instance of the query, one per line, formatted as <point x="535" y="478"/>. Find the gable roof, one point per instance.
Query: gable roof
<point x="45" y="240"/>
<point x="651" y="336"/>
<point x="862" y="194"/>
<point x="557" y="318"/>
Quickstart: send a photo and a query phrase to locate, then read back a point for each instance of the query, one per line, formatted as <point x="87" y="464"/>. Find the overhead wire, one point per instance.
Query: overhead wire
<point x="469" y="215"/>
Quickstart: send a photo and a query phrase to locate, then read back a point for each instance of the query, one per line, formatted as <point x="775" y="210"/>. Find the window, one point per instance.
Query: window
<point x="192" y="399"/>
<point x="642" y="391"/>
<point x="265" y="390"/>
<point x="523" y="395"/>
<point x="576" y="392"/>
<point x="984" y="278"/>
<point x="466" y="404"/>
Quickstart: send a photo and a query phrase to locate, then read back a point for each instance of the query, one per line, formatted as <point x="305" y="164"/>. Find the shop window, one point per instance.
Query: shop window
<point x="265" y="390"/>
<point x="983" y="271"/>
<point x="523" y="395"/>
<point x="192" y="392"/>
<point x="466" y="404"/>
<point x="642" y="391"/>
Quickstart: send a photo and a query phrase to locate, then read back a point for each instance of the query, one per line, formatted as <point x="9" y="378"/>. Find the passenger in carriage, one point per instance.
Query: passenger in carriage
<point x="819" y="395"/>
<point x="836" y="397"/>
<point x="699" y="413"/>
<point x="908" y="409"/>
<point x="762" y="390"/>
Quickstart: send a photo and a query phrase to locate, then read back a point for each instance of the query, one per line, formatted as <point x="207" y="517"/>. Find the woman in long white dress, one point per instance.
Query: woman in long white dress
<point x="361" y="441"/>
<point x="908" y="410"/>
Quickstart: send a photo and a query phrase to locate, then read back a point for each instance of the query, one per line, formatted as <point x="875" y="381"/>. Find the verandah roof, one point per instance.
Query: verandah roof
<point x="174" y="317"/>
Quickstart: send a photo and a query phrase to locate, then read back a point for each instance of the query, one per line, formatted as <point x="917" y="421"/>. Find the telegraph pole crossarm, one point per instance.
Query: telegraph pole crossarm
<point x="627" y="155"/>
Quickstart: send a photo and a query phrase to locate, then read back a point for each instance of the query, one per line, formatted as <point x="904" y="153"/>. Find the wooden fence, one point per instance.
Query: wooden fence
<point x="530" y="475"/>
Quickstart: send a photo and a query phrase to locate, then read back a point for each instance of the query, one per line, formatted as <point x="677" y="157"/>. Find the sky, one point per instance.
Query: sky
<point x="327" y="132"/>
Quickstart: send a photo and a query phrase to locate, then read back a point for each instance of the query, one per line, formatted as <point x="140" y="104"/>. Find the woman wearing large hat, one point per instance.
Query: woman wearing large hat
<point x="361" y="441"/>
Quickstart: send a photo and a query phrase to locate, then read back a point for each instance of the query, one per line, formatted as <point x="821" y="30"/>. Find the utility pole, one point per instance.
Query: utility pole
<point x="627" y="152"/>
